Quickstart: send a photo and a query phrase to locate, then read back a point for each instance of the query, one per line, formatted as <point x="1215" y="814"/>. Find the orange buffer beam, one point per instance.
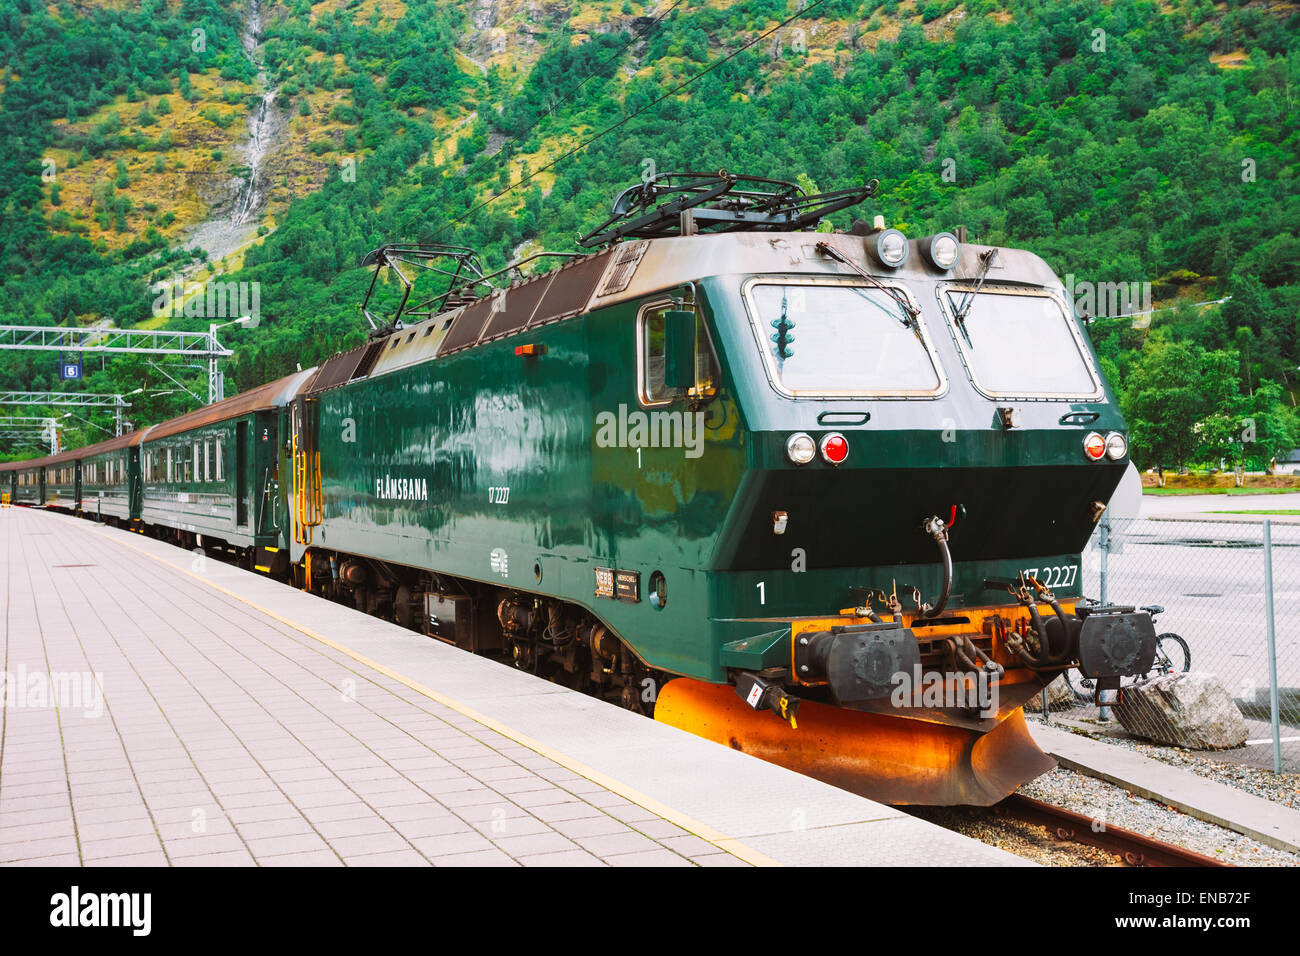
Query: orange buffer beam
<point x="891" y="759"/>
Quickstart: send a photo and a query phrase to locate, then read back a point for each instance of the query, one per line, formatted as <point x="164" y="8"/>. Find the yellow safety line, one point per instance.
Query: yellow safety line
<point x="703" y="830"/>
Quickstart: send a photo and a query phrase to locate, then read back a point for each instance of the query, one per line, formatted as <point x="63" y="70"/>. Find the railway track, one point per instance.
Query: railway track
<point x="1134" y="849"/>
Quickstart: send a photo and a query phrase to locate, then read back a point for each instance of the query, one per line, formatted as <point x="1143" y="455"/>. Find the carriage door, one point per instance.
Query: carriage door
<point x="241" y="473"/>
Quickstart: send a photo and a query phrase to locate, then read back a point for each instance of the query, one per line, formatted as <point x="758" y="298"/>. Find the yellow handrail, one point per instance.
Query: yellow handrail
<point x="308" y="494"/>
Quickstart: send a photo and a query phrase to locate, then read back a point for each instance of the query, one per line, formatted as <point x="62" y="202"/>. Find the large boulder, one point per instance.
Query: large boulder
<point x="1192" y="710"/>
<point x="1059" y="697"/>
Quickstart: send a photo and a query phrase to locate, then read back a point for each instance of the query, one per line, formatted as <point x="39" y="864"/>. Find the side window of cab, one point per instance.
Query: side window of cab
<point x="651" y="357"/>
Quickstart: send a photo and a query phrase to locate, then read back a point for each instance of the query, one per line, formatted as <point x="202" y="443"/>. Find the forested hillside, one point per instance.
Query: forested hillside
<point x="1125" y="142"/>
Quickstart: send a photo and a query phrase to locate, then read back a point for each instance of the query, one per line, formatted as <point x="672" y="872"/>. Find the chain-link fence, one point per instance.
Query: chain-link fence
<point x="1230" y="590"/>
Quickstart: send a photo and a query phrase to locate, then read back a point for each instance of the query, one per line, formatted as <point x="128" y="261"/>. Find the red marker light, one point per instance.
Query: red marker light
<point x="835" y="448"/>
<point x="530" y="349"/>
<point x="1094" y="446"/>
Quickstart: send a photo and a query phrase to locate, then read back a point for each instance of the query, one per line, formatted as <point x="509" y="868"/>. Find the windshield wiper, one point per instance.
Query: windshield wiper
<point x="963" y="310"/>
<point x="911" y="316"/>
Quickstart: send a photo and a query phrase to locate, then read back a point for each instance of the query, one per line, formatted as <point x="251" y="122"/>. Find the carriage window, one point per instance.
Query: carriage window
<point x="651" y="363"/>
<point x="207" y="461"/>
<point x="838" y="339"/>
<point x="221" y="470"/>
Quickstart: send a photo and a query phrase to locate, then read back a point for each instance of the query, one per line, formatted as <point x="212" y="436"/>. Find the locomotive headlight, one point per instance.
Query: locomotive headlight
<point x="800" y="448"/>
<point x="835" y="448"/>
<point x="942" y="249"/>
<point x="890" y="248"/>
<point x="1116" y="446"/>
<point x="1094" y="446"/>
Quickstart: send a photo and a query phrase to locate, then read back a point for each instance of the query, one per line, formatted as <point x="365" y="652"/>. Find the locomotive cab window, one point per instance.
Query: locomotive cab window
<point x="838" y="339"/>
<point x="652" y="357"/>
<point x="1020" y="344"/>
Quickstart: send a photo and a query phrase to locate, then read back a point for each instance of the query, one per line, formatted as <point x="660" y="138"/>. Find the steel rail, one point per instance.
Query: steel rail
<point x="1136" y="849"/>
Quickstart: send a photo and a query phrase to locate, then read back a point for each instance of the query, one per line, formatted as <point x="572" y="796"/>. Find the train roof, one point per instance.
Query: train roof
<point x="271" y="395"/>
<point x="637" y="268"/>
<point x="129" y="440"/>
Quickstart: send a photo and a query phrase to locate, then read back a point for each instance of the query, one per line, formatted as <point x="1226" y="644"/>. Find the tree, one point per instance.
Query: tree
<point x="1171" y="391"/>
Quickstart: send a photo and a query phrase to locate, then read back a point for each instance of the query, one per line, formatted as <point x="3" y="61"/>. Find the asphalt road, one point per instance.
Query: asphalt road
<point x="1182" y="504"/>
<point x="1209" y="575"/>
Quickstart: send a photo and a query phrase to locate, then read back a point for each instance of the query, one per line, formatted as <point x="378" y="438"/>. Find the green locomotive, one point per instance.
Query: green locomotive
<point x="817" y="496"/>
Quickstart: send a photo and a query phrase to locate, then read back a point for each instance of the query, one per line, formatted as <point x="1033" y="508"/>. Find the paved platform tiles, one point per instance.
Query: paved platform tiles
<point x="242" y="722"/>
<point x="1262" y="820"/>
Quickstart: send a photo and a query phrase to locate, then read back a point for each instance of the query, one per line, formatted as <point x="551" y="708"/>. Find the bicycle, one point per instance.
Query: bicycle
<point x="1173" y="656"/>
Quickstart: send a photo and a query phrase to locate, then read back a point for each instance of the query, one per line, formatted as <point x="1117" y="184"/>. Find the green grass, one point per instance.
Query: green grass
<point x="1221" y="491"/>
<point x="1281" y="511"/>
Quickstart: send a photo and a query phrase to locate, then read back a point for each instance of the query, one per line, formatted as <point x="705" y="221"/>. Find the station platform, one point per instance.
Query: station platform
<point x="166" y="709"/>
<point x="1270" y="823"/>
